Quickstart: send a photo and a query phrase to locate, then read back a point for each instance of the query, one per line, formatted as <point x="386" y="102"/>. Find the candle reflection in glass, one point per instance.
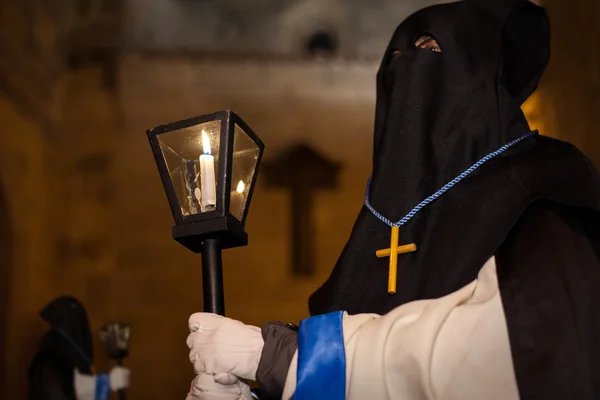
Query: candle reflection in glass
<point x="237" y="200"/>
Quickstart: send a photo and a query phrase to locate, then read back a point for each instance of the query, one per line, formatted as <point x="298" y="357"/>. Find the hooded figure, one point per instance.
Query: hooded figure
<point x="499" y="300"/>
<point x="62" y="368"/>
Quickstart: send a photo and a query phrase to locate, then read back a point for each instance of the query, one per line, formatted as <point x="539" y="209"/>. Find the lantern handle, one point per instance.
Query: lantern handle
<point x="212" y="277"/>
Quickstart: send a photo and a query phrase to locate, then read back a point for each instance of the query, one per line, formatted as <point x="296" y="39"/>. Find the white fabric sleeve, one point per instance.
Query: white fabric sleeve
<point x="452" y="348"/>
<point x="85" y="386"/>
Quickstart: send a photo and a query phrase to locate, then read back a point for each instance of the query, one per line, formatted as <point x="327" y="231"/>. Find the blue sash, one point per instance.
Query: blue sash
<point x="321" y="359"/>
<point x="102" y="387"/>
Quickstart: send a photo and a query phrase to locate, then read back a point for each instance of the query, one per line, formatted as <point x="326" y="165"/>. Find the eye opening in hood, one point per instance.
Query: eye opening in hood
<point x="427" y="41"/>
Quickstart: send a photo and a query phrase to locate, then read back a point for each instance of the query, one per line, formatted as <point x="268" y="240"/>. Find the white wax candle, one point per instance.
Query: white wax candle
<point x="207" y="176"/>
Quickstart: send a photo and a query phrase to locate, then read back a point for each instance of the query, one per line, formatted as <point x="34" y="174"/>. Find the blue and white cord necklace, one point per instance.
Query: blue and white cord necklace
<point x="394" y="249"/>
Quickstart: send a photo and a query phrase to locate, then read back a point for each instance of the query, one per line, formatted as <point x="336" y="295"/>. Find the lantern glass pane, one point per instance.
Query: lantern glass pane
<point x="192" y="158"/>
<point x="245" y="157"/>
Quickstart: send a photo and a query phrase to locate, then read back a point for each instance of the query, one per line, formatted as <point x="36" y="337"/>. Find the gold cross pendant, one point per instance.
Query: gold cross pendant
<point x="392" y="253"/>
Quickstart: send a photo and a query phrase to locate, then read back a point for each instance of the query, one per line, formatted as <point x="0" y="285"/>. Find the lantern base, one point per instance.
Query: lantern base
<point x="227" y="230"/>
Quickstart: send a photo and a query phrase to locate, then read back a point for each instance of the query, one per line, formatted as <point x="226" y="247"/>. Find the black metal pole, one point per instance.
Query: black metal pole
<point x="212" y="277"/>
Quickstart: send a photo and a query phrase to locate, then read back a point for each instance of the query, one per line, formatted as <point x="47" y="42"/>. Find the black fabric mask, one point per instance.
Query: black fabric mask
<point x="438" y="113"/>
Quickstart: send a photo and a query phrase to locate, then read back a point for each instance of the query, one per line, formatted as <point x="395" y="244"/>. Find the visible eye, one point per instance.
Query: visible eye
<point x="428" y="42"/>
<point x="396" y="53"/>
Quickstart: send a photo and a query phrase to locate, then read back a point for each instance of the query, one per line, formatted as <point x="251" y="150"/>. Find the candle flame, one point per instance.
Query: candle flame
<point x="205" y="143"/>
<point x="240" y="187"/>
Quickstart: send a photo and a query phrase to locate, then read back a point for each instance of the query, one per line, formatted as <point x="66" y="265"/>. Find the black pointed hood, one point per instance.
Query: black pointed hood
<point x="70" y="333"/>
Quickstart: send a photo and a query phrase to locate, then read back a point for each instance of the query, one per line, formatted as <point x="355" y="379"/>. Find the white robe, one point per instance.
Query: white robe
<point x="452" y="348"/>
<point x="85" y="386"/>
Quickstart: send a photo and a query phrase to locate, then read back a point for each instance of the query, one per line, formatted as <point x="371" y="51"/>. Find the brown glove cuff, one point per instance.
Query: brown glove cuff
<point x="281" y="342"/>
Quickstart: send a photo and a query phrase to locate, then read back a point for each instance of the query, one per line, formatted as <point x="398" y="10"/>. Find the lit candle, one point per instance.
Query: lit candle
<point x="207" y="176"/>
<point x="237" y="200"/>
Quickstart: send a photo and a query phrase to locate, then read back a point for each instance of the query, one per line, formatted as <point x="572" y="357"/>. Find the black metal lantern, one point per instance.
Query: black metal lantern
<point x="115" y="338"/>
<point x="208" y="166"/>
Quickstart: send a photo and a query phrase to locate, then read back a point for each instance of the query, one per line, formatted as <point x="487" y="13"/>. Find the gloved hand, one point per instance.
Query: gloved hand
<point x="218" y="387"/>
<point x="222" y="345"/>
<point x="119" y="378"/>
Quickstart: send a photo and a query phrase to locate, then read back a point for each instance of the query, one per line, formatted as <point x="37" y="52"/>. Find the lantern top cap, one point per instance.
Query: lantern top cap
<point x="224" y="115"/>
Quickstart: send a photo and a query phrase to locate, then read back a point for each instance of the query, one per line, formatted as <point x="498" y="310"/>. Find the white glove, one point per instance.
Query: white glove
<point x="218" y="344"/>
<point x="218" y="387"/>
<point x="119" y="378"/>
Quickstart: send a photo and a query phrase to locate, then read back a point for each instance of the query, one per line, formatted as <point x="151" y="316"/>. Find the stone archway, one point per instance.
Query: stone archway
<point x="6" y="253"/>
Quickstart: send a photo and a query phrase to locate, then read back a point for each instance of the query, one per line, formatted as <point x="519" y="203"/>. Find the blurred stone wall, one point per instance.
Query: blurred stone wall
<point x="58" y="120"/>
<point x="279" y="28"/>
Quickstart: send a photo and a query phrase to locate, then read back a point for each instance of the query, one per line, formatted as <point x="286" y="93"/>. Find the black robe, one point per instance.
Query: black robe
<point x="542" y="169"/>
<point x="549" y="275"/>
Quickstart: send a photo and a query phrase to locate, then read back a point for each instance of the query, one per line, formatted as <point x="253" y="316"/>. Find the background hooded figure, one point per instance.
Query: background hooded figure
<point x="62" y="368"/>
